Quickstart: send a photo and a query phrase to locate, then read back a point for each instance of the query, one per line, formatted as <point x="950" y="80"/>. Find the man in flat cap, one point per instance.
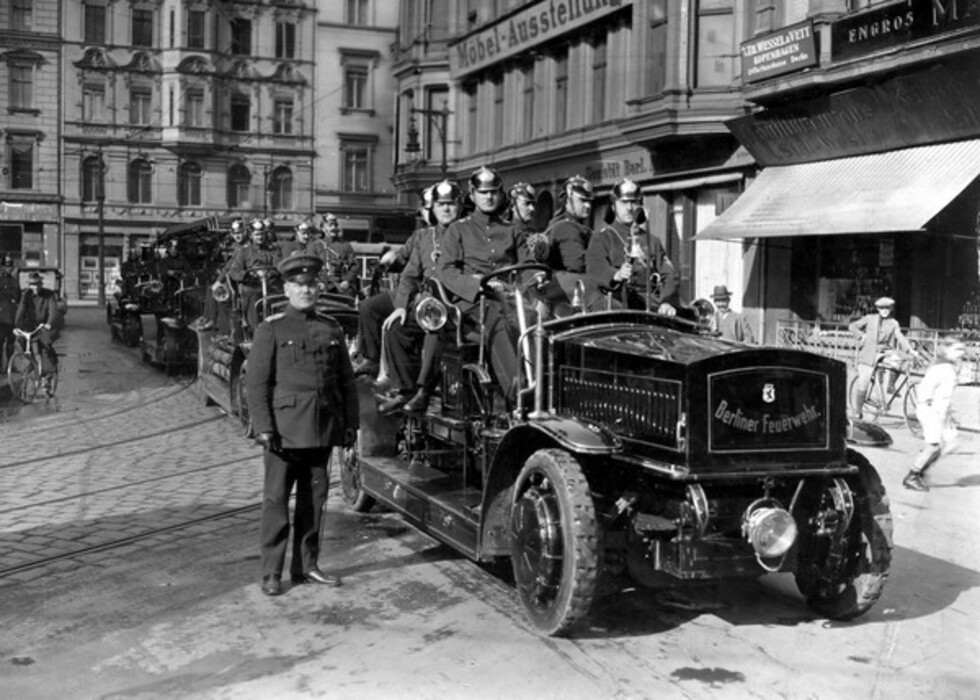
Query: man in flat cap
<point x="39" y="307"/>
<point x="302" y="401"/>
<point x="879" y="334"/>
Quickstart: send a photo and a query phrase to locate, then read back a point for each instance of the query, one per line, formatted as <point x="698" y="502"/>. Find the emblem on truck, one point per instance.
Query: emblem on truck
<point x="769" y="393"/>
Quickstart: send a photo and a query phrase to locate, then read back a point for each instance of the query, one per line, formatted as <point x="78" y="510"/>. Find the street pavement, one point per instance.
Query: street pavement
<point x="129" y="567"/>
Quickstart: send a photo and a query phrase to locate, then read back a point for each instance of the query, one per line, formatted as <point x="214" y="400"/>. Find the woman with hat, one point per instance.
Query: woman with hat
<point x="729" y="324"/>
<point x="879" y="334"/>
<point x="627" y="262"/>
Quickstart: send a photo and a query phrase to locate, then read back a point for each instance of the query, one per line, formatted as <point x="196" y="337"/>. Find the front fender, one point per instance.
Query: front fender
<point x="575" y="435"/>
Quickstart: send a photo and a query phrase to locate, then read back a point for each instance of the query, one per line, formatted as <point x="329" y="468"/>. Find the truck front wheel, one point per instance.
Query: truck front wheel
<point x="356" y="498"/>
<point x="554" y="541"/>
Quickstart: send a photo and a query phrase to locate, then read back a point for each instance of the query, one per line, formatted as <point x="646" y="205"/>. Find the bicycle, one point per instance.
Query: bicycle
<point x="878" y="400"/>
<point x="24" y="368"/>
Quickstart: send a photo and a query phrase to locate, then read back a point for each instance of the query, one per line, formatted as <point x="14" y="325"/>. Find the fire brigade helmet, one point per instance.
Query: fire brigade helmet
<point x="524" y="191"/>
<point x="577" y="184"/>
<point x="237" y="226"/>
<point x="258" y="226"/>
<point x="485" y="180"/>
<point x="303" y="227"/>
<point x="627" y="191"/>
<point x="445" y="191"/>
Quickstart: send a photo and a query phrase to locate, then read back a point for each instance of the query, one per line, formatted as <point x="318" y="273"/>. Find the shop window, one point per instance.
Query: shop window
<point x="21" y="15"/>
<point x="241" y="37"/>
<point x="241" y="113"/>
<point x="140" y="106"/>
<point x="281" y="189"/>
<point x="195" y="29"/>
<point x="239" y="182"/>
<point x="139" y="182"/>
<point x="20" y="156"/>
<point x="561" y="91"/>
<point x="189" y="185"/>
<point x="91" y="184"/>
<point x="357" y="12"/>
<point x="715" y="59"/>
<point x="282" y="120"/>
<point x="285" y="40"/>
<point x="194" y="108"/>
<point x="21" y="85"/>
<point x="142" y="27"/>
<point x="93" y="102"/>
<point x="95" y="24"/>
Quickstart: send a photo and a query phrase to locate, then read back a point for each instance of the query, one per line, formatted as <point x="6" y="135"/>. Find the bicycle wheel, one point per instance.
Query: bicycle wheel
<point x="908" y="407"/>
<point x="870" y="409"/>
<point x="23" y="376"/>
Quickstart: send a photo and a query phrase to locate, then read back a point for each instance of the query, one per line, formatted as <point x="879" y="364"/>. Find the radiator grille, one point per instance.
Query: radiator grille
<point x="632" y="406"/>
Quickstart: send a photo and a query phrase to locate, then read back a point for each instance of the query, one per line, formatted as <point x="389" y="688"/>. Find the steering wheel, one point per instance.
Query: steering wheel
<point x="513" y="269"/>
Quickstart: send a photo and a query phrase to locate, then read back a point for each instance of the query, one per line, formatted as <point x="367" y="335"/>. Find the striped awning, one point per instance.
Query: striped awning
<point x="896" y="191"/>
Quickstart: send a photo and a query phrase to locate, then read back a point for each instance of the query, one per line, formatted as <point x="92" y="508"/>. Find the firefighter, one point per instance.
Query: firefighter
<point x="569" y="234"/>
<point x="248" y="265"/>
<point x="414" y="373"/>
<point x="304" y="243"/>
<point x="373" y="311"/>
<point x="218" y="302"/>
<point x="340" y="269"/>
<point x="475" y="246"/>
<point x="627" y="262"/>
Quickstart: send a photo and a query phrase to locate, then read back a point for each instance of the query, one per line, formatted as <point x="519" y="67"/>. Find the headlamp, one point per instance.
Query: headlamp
<point x="431" y="314"/>
<point x="770" y="529"/>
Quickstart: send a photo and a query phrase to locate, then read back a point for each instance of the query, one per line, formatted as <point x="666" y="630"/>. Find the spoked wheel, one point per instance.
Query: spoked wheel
<point x="870" y="405"/>
<point x="350" y="481"/>
<point x="554" y="541"/>
<point x="908" y="407"/>
<point x="23" y="376"/>
<point x="842" y="574"/>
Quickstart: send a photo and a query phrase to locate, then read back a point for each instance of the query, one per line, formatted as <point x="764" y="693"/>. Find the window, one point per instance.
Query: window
<point x="142" y="27"/>
<point x="91" y="179"/>
<point x="599" y="61"/>
<point x="139" y="182"/>
<point x="498" y="109"/>
<point x="241" y="36"/>
<point x="357" y="12"/>
<point x="527" y="98"/>
<point x="95" y="24"/>
<point x="656" y="73"/>
<point x="195" y="29"/>
<point x="561" y="91"/>
<point x="239" y="182"/>
<point x="20" y="156"/>
<point x="471" y="117"/>
<point x="436" y="100"/>
<point x="194" y="108"/>
<point x="93" y="102"/>
<point x="285" y="40"/>
<point x="140" y="106"/>
<point x="715" y="62"/>
<point x="241" y="113"/>
<point x="282" y="120"/>
<point x="21" y="15"/>
<point x="355" y="86"/>
<point x="356" y="163"/>
<point x="280" y="189"/>
<point x="189" y="185"/>
<point x="21" y="86"/>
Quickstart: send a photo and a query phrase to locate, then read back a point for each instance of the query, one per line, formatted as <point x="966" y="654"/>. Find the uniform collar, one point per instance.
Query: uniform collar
<point x="300" y="313"/>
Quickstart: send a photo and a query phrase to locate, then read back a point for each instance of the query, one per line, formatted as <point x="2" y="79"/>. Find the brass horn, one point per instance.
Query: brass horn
<point x="154" y="286"/>
<point x="221" y="291"/>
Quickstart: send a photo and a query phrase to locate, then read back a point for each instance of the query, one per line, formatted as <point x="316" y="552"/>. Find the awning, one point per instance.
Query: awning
<point x="879" y="193"/>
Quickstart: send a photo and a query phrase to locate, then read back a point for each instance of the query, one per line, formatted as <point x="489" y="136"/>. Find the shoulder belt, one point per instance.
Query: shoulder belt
<point x="275" y="317"/>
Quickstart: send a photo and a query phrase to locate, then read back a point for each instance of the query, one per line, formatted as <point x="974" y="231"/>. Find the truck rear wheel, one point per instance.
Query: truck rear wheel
<point x="554" y="541"/>
<point x="843" y="575"/>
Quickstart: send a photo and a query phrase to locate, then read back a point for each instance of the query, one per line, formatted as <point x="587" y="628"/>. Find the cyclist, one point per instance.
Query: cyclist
<point x="38" y="307"/>
<point x="879" y="334"/>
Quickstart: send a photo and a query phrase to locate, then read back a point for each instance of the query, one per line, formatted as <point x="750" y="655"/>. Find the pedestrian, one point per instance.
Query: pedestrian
<point x="879" y="335"/>
<point x="627" y="262"/>
<point x="38" y="307"/>
<point x="934" y="393"/>
<point x="9" y="298"/>
<point x="302" y="402"/>
<point x="729" y="324"/>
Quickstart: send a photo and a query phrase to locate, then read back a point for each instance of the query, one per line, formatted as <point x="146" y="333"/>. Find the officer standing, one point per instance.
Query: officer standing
<point x="302" y="402"/>
<point x="247" y="266"/>
<point x="340" y="271"/>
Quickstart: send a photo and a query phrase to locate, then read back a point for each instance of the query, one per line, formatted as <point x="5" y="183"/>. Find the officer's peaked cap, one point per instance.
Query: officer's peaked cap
<point x="298" y="268"/>
<point x="579" y="185"/>
<point x="522" y="190"/>
<point x="445" y="191"/>
<point x="627" y="191"/>
<point x="486" y="180"/>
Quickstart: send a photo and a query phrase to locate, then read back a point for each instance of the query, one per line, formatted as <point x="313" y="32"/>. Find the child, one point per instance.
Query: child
<point x="934" y="393"/>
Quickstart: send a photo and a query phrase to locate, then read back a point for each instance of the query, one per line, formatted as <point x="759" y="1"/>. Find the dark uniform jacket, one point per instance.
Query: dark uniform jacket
<point x="35" y="309"/>
<point x="569" y="240"/>
<point x="249" y="257"/>
<point x="9" y="297"/>
<point x="313" y="246"/>
<point x="300" y="381"/>
<point x="607" y="252"/>
<point x="425" y="251"/>
<point x="475" y="246"/>
<point x="340" y="262"/>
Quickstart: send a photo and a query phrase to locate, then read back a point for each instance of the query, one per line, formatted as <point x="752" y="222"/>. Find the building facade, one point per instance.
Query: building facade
<point x="176" y="110"/>
<point x="30" y="132"/>
<point x="354" y="114"/>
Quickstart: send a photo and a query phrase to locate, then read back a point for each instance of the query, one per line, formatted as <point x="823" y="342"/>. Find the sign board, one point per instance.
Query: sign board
<point x="536" y="24"/>
<point x="790" y="49"/>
